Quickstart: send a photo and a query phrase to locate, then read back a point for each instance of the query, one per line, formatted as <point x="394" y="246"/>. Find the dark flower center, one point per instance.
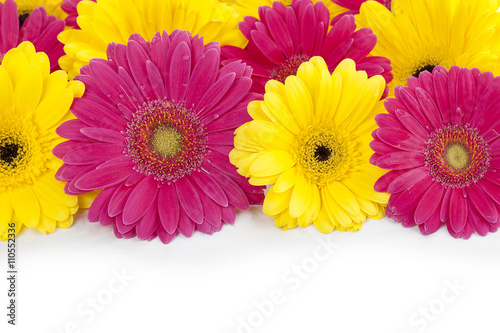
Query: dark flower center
<point x="22" y="18"/>
<point x="9" y="152"/>
<point x="423" y="68"/>
<point x="322" y="153"/>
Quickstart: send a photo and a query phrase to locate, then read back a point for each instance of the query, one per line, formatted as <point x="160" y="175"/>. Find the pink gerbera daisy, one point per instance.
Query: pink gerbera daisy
<point x="351" y="7"/>
<point x="441" y="143"/>
<point x="70" y="8"/>
<point x="37" y="27"/>
<point x="154" y="130"/>
<point x="285" y="37"/>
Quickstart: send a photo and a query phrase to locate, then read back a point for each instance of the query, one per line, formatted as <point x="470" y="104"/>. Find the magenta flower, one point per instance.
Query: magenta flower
<point x="285" y="37"/>
<point x="441" y="143"/>
<point x="154" y="130"/>
<point x="37" y="28"/>
<point x="69" y="7"/>
<point x="352" y="7"/>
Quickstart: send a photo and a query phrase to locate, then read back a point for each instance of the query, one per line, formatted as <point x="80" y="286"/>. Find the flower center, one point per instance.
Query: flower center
<point x="289" y="67"/>
<point x="166" y="140"/>
<point x="423" y="68"/>
<point x="22" y="18"/>
<point x="325" y="153"/>
<point x="10" y="151"/>
<point x="457" y="156"/>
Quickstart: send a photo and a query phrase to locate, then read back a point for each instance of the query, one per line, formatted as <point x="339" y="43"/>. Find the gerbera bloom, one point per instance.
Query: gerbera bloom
<point x="441" y="141"/>
<point x="310" y="138"/>
<point x="286" y="37"/>
<point x="351" y="7"/>
<point x="32" y="105"/>
<point x="251" y="7"/>
<point x="115" y="20"/>
<point x="420" y="35"/>
<point x="154" y="131"/>
<point x="70" y="8"/>
<point x="35" y="26"/>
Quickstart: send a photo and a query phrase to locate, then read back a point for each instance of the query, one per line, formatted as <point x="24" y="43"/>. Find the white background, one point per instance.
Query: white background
<point x="375" y="280"/>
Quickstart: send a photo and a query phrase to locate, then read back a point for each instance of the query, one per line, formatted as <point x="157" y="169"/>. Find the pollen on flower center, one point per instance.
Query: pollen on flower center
<point x="287" y="3"/>
<point x="325" y="153"/>
<point x="457" y="156"/>
<point x="9" y="152"/>
<point x="287" y="68"/>
<point x="166" y="140"/>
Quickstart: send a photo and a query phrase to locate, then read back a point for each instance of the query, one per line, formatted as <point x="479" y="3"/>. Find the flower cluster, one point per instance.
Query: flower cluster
<point x="168" y="117"/>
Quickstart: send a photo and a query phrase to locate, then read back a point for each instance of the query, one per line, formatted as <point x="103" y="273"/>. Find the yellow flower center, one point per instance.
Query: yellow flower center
<point x="22" y="153"/>
<point x="457" y="156"/>
<point x="25" y="7"/>
<point x="166" y="141"/>
<point x="287" y="3"/>
<point x="325" y="153"/>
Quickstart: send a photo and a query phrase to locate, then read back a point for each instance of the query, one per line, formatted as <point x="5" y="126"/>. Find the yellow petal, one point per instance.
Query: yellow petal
<point x="308" y="73"/>
<point x="270" y="135"/>
<point x="302" y="192"/>
<point x="28" y="89"/>
<point x="272" y="163"/>
<point x="86" y="199"/>
<point x="52" y="108"/>
<point x="65" y="224"/>
<point x="286" y="180"/>
<point x="13" y="62"/>
<point x="312" y="211"/>
<point x="323" y="223"/>
<point x="275" y="203"/>
<point x="5" y="211"/>
<point x="276" y="108"/>
<point x="289" y="222"/>
<point x="344" y="197"/>
<point x="352" y="88"/>
<point x="299" y="100"/>
<point x="54" y="189"/>
<point x="26" y="206"/>
<point x="255" y="111"/>
<point x="6" y="89"/>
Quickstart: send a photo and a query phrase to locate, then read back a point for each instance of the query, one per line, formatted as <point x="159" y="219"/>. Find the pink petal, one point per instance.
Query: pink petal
<point x="109" y="174"/>
<point x="476" y="220"/>
<point x="429" y="205"/>
<point x="164" y="236"/>
<point x="186" y="225"/>
<point x="234" y="193"/>
<point x="204" y="75"/>
<point x="458" y="210"/>
<point x="149" y="222"/>
<point x="483" y="203"/>
<point x="400" y="139"/>
<point x="142" y="197"/>
<point x="119" y="199"/>
<point x="189" y="200"/>
<point x="383" y="182"/>
<point x="401" y="160"/>
<point x="103" y="135"/>
<point x="279" y="31"/>
<point x="407" y="179"/>
<point x="93" y="153"/>
<point x="211" y="188"/>
<point x="99" y="204"/>
<point x="168" y="208"/>
<point x="228" y="214"/>
<point x="180" y="69"/>
<point x="408" y="200"/>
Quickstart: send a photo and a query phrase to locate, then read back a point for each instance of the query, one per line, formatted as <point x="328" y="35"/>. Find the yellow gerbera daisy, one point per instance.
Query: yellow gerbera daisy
<point x="53" y="7"/>
<point x="251" y="7"/>
<point x="419" y="35"/>
<point x="33" y="103"/>
<point x="310" y="138"/>
<point x="115" y="20"/>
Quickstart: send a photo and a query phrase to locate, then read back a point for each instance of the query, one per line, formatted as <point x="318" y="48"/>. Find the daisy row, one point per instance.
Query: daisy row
<point x="150" y="172"/>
